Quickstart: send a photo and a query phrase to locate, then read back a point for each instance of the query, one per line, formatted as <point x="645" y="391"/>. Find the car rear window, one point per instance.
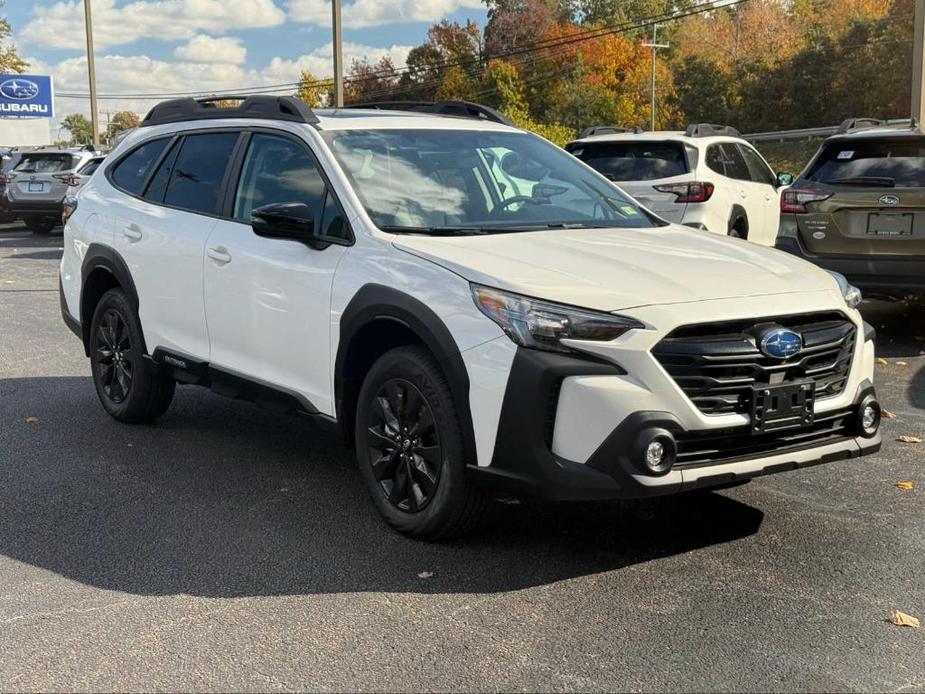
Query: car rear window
<point x="885" y="163"/>
<point x="633" y="161"/>
<point x="44" y="163"/>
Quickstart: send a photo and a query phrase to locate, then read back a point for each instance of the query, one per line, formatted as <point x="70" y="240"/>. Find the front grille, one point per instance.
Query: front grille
<point x="717" y="365"/>
<point x="727" y="445"/>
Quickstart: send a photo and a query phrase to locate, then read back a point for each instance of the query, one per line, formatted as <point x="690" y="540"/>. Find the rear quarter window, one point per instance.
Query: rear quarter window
<point x="888" y="163"/>
<point x="633" y="161"/>
<point x="132" y="172"/>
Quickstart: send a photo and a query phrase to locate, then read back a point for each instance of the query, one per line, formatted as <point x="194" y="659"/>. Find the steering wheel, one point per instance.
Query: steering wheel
<point x="504" y="204"/>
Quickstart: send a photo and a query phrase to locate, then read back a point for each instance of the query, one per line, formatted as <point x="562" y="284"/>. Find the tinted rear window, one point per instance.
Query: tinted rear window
<point x="633" y="161"/>
<point x="886" y="163"/>
<point x="44" y="163"/>
<point x="132" y="172"/>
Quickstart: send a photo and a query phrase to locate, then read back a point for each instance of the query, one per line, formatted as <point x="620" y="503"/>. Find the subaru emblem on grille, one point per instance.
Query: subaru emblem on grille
<point x="889" y="199"/>
<point x="780" y="343"/>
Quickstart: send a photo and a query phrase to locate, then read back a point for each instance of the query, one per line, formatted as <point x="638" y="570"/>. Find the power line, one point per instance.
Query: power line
<point x="544" y="44"/>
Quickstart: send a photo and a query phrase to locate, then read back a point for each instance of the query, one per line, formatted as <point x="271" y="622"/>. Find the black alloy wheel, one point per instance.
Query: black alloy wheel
<point x="403" y="444"/>
<point x="115" y="359"/>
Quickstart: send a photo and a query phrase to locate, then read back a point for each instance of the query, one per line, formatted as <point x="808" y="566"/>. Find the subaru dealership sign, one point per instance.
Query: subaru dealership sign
<point x="26" y="96"/>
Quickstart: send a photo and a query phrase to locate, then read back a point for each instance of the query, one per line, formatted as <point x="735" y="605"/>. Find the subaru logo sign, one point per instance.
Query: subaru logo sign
<point x="889" y="199"/>
<point x="781" y="343"/>
<point x="19" y="89"/>
<point x="26" y="96"/>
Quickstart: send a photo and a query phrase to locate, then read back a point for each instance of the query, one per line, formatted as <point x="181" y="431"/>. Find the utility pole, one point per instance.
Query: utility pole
<point x="918" y="65"/>
<point x="655" y="46"/>
<point x="91" y="67"/>
<point x="338" y="55"/>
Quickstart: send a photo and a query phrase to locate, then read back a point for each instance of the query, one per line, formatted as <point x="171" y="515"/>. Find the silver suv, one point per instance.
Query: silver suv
<point x="37" y="184"/>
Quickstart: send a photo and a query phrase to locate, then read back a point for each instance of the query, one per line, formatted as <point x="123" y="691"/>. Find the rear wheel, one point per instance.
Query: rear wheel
<point x="40" y="225"/>
<point x="410" y="451"/>
<point x="127" y="385"/>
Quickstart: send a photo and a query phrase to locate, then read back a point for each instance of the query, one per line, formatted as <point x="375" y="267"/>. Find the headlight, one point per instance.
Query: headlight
<point x="541" y="325"/>
<point x="851" y="294"/>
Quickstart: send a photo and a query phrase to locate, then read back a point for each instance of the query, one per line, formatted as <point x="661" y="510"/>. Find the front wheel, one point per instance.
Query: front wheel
<point x="127" y="385"/>
<point x="409" y="448"/>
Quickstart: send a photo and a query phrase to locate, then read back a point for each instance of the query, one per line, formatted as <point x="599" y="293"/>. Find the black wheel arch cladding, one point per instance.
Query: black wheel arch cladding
<point x="103" y="259"/>
<point x="736" y="214"/>
<point x="375" y="303"/>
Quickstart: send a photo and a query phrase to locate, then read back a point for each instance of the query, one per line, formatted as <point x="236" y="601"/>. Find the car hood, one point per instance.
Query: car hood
<point x="615" y="269"/>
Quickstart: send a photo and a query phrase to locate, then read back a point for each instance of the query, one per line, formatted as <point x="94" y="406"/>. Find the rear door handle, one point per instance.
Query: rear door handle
<point x="132" y="232"/>
<point x="219" y="254"/>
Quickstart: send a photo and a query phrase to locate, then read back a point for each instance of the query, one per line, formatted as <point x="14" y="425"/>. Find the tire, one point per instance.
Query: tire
<point x="416" y="476"/>
<point x="127" y="385"/>
<point x="40" y="225"/>
<point x="738" y="228"/>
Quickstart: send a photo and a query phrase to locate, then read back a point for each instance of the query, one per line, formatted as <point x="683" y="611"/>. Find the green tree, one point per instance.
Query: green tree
<point x="79" y="127"/>
<point x="9" y="57"/>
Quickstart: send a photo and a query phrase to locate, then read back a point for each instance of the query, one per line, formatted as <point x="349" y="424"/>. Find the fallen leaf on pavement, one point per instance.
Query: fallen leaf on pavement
<point x="910" y="439"/>
<point x="881" y="360"/>
<point x="901" y="363"/>
<point x="904" y="485"/>
<point x="886" y="414"/>
<point x="425" y="574"/>
<point x="31" y="420"/>
<point x="901" y="619"/>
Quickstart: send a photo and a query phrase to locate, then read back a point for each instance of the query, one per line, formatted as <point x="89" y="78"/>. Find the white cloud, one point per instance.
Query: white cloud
<point x="144" y="75"/>
<point x="208" y="49"/>
<point x="62" y="24"/>
<point x="366" y="13"/>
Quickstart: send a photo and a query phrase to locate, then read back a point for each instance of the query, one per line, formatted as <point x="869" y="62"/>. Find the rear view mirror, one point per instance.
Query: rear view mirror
<point x="784" y="178"/>
<point x="284" y="220"/>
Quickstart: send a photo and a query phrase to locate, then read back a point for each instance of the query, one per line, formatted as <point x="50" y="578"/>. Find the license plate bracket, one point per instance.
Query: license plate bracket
<point x="889" y="224"/>
<point x="786" y="406"/>
<point x="36" y="187"/>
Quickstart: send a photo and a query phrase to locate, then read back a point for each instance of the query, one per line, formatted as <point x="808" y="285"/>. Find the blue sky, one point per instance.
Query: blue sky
<point x="153" y="46"/>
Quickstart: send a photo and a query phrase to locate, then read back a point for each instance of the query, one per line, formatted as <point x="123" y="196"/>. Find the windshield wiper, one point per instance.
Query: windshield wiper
<point x="482" y="231"/>
<point x="435" y="231"/>
<point x="879" y="181"/>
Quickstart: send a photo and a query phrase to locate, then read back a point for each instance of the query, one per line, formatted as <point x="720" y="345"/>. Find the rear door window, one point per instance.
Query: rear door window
<point x="726" y="159"/>
<point x="633" y="160"/>
<point x="886" y="163"/>
<point x="132" y="172"/>
<point x="44" y="163"/>
<point x="196" y="180"/>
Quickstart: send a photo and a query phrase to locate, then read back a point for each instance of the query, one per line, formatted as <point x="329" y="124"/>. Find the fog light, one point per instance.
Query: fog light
<point x="654" y="451"/>
<point x="869" y="418"/>
<point x="655" y="454"/>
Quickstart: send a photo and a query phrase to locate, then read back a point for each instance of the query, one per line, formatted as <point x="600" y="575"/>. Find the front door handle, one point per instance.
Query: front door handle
<point x="132" y="232"/>
<point x="219" y="254"/>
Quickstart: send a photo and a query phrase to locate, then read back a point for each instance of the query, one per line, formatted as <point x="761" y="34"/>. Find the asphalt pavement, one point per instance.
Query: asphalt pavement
<point x="229" y="548"/>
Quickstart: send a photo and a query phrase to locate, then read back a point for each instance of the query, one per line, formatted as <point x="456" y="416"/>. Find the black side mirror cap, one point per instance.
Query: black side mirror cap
<point x="284" y="220"/>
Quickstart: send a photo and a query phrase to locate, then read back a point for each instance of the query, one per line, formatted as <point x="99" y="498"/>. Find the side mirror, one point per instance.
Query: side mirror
<point x="784" y="178"/>
<point x="284" y="220"/>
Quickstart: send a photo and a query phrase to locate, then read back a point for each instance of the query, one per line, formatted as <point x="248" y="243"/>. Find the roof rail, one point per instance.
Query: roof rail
<point x="850" y="124"/>
<point x="710" y="130"/>
<point x="462" y="109"/>
<point x="608" y="130"/>
<point x="270" y="107"/>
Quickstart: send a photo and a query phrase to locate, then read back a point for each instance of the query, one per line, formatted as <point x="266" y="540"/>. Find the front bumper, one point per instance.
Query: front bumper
<point x="525" y="463"/>
<point x="893" y="276"/>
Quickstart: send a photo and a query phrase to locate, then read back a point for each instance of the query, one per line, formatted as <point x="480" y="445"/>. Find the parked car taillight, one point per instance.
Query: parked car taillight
<point x="68" y="179"/>
<point x="695" y="191"/>
<point x="68" y="207"/>
<point x="796" y="200"/>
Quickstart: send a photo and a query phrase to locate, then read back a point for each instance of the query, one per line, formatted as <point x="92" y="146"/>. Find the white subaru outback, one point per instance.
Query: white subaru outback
<point x="473" y="308"/>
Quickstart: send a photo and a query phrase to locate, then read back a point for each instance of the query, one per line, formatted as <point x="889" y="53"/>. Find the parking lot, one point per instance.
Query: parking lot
<point x="230" y="548"/>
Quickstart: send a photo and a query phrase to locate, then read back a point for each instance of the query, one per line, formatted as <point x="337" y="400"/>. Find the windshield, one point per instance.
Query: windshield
<point x="468" y="181"/>
<point x="44" y="163"/>
<point x="633" y="161"/>
<point x="882" y="163"/>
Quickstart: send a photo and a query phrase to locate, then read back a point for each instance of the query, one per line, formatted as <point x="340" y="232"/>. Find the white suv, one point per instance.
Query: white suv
<point x="398" y="275"/>
<point x="705" y="177"/>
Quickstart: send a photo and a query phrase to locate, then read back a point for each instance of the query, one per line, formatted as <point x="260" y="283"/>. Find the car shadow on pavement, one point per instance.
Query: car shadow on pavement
<point x="222" y="499"/>
<point x="898" y="325"/>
